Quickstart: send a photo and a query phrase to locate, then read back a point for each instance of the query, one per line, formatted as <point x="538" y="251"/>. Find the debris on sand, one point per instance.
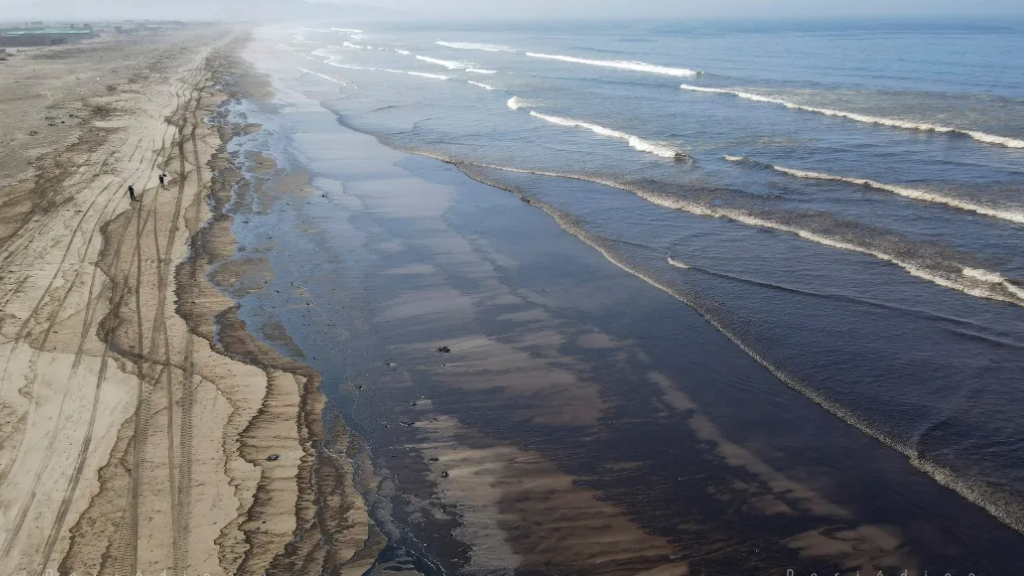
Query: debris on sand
<point x="272" y="458"/>
<point x="444" y="350"/>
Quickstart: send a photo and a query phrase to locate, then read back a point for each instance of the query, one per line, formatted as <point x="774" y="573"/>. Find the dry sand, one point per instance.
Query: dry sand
<point x="128" y="442"/>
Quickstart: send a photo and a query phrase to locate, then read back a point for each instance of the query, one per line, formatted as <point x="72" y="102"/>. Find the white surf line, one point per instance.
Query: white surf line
<point x="677" y="263"/>
<point x="476" y="46"/>
<point x="905" y="124"/>
<point x="481" y="71"/>
<point x="975" y="282"/>
<point x="392" y="71"/>
<point x="481" y="84"/>
<point x="449" y="64"/>
<point x="912" y="193"/>
<point x="621" y="65"/>
<point x="348" y="30"/>
<point x="324" y="76"/>
<point x="635" y="142"/>
<point x="428" y="75"/>
<point x="515" y="103"/>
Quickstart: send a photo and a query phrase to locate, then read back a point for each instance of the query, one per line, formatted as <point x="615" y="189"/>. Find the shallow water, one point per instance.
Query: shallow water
<point x="900" y="315"/>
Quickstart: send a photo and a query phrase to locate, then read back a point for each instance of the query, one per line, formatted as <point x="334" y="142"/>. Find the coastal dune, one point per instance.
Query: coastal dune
<point x="132" y="438"/>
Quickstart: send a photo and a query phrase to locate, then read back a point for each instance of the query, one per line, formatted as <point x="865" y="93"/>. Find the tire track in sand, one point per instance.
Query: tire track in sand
<point x="26" y="504"/>
<point x="72" y="486"/>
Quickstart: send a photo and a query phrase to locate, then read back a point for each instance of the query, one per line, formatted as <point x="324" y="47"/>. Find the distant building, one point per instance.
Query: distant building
<point x="43" y="37"/>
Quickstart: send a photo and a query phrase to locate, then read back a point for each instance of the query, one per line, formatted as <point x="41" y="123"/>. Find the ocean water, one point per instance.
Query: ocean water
<point x="844" y="202"/>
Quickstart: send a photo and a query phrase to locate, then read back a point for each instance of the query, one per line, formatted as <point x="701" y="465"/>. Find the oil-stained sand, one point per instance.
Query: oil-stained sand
<point x="136" y="413"/>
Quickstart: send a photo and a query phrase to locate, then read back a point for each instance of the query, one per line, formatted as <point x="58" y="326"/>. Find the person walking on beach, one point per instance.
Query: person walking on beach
<point x="131" y="193"/>
<point x="161" y="178"/>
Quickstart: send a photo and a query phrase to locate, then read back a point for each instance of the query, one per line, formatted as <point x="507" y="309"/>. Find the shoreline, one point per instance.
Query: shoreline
<point x="543" y="368"/>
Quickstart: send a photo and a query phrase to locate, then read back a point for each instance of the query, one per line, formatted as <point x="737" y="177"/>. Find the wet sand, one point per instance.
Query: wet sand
<point x="129" y="441"/>
<point x="529" y="407"/>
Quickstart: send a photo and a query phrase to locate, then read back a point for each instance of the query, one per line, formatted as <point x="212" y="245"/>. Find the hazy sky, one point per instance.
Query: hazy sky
<point x="539" y="9"/>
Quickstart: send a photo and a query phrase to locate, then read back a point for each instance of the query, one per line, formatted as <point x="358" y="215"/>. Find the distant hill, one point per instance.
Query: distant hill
<point x="203" y="10"/>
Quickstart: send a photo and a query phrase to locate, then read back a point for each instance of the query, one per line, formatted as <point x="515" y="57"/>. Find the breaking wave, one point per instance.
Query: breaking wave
<point x="677" y="263"/>
<point x="324" y="76"/>
<point x="428" y="75"/>
<point x="905" y="124"/>
<point x="621" y="65"/>
<point x="1016" y="216"/>
<point x="636" y="142"/>
<point x="515" y="103"/>
<point x="449" y="64"/>
<point x="475" y="46"/>
<point x="392" y="71"/>
<point x="919" y="261"/>
<point x="348" y="44"/>
<point x="481" y="84"/>
<point x="481" y="71"/>
<point x="349" y="30"/>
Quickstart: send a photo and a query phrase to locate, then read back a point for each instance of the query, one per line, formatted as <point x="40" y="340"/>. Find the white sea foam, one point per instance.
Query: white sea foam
<point x="984" y="289"/>
<point x="481" y="71"/>
<point x="349" y="30"/>
<point x="348" y="66"/>
<point x="324" y="76"/>
<point x="481" y="84"/>
<point x="621" y="64"/>
<point x="636" y="142"/>
<point x="475" y="46"/>
<point x="449" y="64"/>
<point x="348" y="44"/>
<point x="677" y="263"/>
<point x="515" y="103"/>
<point x="390" y="70"/>
<point x="895" y="123"/>
<point x="403" y="52"/>
<point x="427" y="75"/>
<point x="984" y="275"/>
<point x="968" y="283"/>
<point x="1007" y="214"/>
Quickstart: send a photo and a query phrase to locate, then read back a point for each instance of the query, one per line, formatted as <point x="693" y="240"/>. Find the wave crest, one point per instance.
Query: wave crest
<point x="979" y="282"/>
<point x="324" y="76"/>
<point x="867" y="119"/>
<point x="476" y="46"/>
<point x="1008" y="214"/>
<point x="636" y="142"/>
<point x="449" y="64"/>
<point x="633" y="65"/>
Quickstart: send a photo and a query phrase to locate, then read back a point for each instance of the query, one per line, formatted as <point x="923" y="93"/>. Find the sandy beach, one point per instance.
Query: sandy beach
<point x="128" y="442"/>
